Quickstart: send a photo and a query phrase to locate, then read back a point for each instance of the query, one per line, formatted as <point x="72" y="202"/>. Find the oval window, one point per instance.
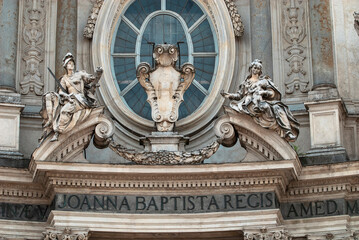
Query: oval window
<point x="149" y="22"/>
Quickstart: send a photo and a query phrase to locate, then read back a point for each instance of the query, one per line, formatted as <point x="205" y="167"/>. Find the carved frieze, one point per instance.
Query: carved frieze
<point x="33" y="35"/>
<point x="237" y="24"/>
<point x="91" y="20"/>
<point x="295" y="46"/>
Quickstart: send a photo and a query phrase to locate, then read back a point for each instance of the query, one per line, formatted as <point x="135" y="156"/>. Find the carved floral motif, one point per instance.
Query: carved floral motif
<point x="65" y="234"/>
<point x="294" y="33"/>
<point x="91" y="20"/>
<point x="33" y="34"/>
<point x="237" y="24"/>
<point x="165" y="157"/>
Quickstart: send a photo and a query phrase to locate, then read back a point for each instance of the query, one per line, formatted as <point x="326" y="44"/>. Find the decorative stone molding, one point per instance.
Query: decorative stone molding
<point x="261" y="144"/>
<point x="165" y="157"/>
<point x="294" y="33"/>
<point x="33" y="36"/>
<point x="264" y="234"/>
<point x="237" y="24"/>
<point x="91" y="21"/>
<point x="65" y="234"/>
<point x="70" y="145"/>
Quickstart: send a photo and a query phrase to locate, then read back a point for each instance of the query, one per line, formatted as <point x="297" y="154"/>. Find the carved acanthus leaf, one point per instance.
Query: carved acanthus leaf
<point x="33" y="35"/>
<point x="238" y="26"/>
<point x="264" y="233"/>
<point x="91" y="20"/>
<point x="165" y="157"/>
<point x="294" y="33"/>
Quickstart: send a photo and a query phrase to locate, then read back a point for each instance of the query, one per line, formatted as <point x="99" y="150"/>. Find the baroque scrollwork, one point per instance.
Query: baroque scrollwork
<point x="33" y="35"/>
<point x="237" y="24"/>
<point x="294" y="33"/>
<point x="66" y="233"/>
<point x="165" y="157"/>
<point x="91" y="20"/>
<point x="165" y="85"/>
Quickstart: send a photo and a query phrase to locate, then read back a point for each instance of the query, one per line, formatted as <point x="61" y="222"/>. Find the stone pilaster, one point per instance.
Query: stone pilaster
<point x="8" y="43"/>
<point x="66" y="31"/>
<point x="261" y="33"/>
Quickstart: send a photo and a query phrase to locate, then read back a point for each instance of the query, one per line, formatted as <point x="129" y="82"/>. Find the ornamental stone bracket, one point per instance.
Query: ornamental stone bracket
<point x="70" y="145"/>
<point x="261" y="144"/>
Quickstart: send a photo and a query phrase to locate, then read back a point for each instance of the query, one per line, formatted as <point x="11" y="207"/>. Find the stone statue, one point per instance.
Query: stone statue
<point x="258" y="97"/>
<point x="165" y="85"/>
<point x="73" y="102"/>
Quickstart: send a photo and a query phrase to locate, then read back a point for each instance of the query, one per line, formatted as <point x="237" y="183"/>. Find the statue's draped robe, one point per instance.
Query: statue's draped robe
<point x="270" y="113"/>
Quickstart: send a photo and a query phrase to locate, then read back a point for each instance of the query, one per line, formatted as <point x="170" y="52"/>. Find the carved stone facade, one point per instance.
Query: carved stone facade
<point x="219" y="174"/>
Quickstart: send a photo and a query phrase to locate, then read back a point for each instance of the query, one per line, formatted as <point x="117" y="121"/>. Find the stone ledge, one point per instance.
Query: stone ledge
<point x="321" y="156"/>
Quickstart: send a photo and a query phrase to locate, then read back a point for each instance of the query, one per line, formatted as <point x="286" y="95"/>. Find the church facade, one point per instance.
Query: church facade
<point x="179" y="119"/>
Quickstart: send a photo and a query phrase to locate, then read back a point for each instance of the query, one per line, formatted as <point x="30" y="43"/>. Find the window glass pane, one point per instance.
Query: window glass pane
<point x="163" y="29"/>
<point x="191" y="100"/>
<point x="140" y="9"/>
<point x="136" y="100"/>
<point x="204" y="70"/>
<point x="125" y="71"/>
<point x="189" y="10"/>
<point x="202" y="38"/>
<point x="125" y="41"/>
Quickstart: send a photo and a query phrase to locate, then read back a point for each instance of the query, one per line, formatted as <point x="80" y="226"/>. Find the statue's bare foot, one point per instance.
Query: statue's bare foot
<point x="55" y="137"/>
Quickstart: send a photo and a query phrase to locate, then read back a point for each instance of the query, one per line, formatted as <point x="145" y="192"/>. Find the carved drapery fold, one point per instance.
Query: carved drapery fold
<point x="295" y="46"/>
<point x="91" y="20"/>
<point x="33" y="35"/>
<point x="237" y="24"/>
<point x="65" y="234"/>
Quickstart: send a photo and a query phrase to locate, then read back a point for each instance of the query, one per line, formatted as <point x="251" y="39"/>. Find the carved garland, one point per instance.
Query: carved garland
<point x="165" y="157"/>
<point x="237" y="24"/>
<point x="294" y="34"/>
<point x="91" y="20"/>
<point x="33" y="34"/>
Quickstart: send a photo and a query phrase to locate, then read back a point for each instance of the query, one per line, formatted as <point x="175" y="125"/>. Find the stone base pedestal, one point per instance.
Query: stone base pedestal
<point x="326" y="132"/>
<point x="325" y="156"/>
<point x="164" y="141"/>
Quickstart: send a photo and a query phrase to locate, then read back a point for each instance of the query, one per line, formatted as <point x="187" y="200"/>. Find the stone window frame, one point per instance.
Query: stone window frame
<point x="106" y="26"/>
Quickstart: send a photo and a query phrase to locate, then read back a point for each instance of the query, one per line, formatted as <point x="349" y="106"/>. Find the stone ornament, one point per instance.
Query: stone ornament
<point x="294" y="33"/>
<point x="265" y="234"/>
<point x="33" y="35"/>
<point x="91" y="20"/>
<point x="356" y="22"/>
<point x="259" y="98"/>
<point x="165" y="157"/>
<point x="65" y="234"/>
<point x="72" y="103"/>
<point x="165" y="85"/>
<point x="237" y="24"/>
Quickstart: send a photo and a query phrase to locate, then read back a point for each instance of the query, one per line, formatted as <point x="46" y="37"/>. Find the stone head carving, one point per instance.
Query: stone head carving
<point x="165" y="55"/>
<point x="165" y="85"/>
